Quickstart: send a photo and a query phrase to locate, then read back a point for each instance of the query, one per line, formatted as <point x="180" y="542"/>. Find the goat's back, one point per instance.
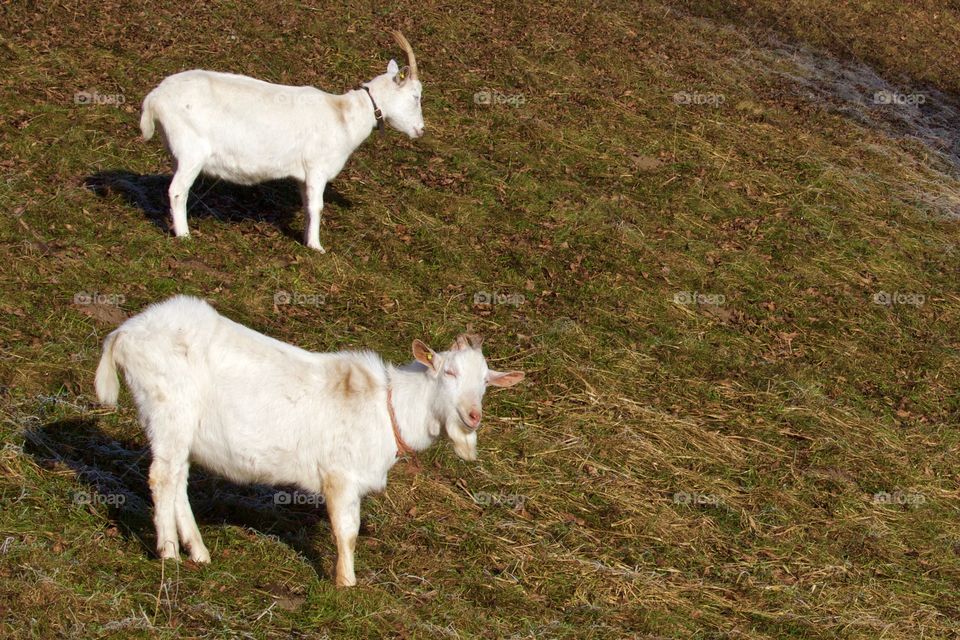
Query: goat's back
<point x="246" y="130"/>
<point x="250" y="407"/>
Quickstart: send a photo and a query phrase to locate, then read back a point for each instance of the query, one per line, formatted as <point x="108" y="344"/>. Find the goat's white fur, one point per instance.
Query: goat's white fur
<point x="247" y="131"/>
<point x="257" y="410"/>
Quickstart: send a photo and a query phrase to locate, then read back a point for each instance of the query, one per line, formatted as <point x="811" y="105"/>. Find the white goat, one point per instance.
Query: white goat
<point x="248" y="131"/>
<point x="257" y="410"/>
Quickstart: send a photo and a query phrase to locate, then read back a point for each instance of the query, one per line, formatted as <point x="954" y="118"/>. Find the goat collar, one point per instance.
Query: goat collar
<point x="402" y="447"/>
<point x="376" y="110"/>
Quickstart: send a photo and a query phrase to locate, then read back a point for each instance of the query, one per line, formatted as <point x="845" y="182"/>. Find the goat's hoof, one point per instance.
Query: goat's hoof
<point x="346" y="582"/>
<point x="168" y="550"/>
<point x="200" y="557"/>
<point x="317" y="247"/>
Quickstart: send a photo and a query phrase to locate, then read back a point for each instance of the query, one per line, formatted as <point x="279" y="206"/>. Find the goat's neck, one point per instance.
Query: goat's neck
<point x="362" y="120"/>
<point x="414" y="396"/>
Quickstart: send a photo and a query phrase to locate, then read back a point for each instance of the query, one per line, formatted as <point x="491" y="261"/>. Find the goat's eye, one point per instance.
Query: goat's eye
<point x="451" y="373"/>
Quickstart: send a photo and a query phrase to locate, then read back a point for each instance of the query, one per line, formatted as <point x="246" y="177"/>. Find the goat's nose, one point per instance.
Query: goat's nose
<point x="474" y="416"/>
<point x="419" y="131"/>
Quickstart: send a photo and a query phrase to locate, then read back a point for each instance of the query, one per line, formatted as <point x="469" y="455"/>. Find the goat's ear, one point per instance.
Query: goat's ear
<point x="507" y="379"/>
<point x="392" y="68"/>
<point x="426" y="356"/>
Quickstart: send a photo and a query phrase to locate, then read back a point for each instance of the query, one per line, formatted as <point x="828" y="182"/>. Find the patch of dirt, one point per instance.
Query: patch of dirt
<point x="645" y="163"/>
<point x="906" y="114"/>
<point x="196" y="266"/>
<point x="854" y="89"/>
<point x="287" y="598"/>
<point x="107" y="314"/>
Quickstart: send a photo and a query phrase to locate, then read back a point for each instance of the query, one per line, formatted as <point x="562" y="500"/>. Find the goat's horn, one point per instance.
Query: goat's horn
<point x="467" y="340"/>
<point x="411" y="59"/>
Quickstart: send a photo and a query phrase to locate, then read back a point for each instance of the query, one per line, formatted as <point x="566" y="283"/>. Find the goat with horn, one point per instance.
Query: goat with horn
<point x="248" y="131"/>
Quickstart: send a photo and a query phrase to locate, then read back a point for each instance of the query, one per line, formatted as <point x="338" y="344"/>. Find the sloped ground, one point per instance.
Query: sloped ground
<point x="734" y="293"/>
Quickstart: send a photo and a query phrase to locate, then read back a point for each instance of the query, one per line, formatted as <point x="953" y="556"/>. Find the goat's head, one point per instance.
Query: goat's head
<point x="461" y="375"/>
<point x="398" y="92"/>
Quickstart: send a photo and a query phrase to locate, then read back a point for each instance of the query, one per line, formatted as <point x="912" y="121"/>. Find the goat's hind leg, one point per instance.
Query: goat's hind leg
<point x="163" y="473"/>
<point x="186" y="524"/>
<point x="186" y="171"/>
<point x="170" y="431"/>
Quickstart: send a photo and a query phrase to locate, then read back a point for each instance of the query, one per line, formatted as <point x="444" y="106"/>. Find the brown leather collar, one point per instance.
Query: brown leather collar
<point x="376" y="110"/>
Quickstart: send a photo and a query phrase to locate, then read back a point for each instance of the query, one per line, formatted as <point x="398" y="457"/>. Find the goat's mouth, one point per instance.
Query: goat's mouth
<point x="466" y="425"/>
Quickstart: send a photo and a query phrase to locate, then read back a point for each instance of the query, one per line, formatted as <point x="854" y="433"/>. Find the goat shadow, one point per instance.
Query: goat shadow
<point x="113" y="477"/>
<point x="277" y="202"/>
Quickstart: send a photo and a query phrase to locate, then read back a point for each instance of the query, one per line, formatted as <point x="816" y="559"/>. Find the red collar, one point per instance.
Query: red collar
<point x="402" y="447"/>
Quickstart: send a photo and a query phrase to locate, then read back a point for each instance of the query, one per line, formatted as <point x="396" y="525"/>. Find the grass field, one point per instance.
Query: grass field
<point x="735" y="295"/>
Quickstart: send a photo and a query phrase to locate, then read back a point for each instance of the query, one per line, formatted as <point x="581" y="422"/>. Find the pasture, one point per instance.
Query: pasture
<point x="720" y="238"/>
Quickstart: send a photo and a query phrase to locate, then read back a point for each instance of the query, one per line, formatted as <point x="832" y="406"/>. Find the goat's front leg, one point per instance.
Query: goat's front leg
<point x="343" y="505"/>
<point x="312" y="193"/>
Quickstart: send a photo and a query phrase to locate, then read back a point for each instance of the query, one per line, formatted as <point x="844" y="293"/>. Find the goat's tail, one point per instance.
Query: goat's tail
<point x="107" y="383"/>
<point x="147" y="118"/>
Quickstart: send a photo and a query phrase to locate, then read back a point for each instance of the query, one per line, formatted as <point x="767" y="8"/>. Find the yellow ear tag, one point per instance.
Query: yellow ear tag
<point x="401" y="75"/>
<point x="429" y="356"/>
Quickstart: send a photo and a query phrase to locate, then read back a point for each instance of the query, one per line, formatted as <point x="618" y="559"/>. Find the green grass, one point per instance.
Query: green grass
<point x="781" y="407"/>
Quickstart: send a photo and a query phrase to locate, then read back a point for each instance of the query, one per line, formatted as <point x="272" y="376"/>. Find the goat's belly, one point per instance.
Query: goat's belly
<point x="245" y="464"/>
<point x="248" y="171"/>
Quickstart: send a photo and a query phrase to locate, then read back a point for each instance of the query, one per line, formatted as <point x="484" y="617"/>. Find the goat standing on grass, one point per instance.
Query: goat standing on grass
<point x="257" y="410"/>
<point x="248" y="131"/>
